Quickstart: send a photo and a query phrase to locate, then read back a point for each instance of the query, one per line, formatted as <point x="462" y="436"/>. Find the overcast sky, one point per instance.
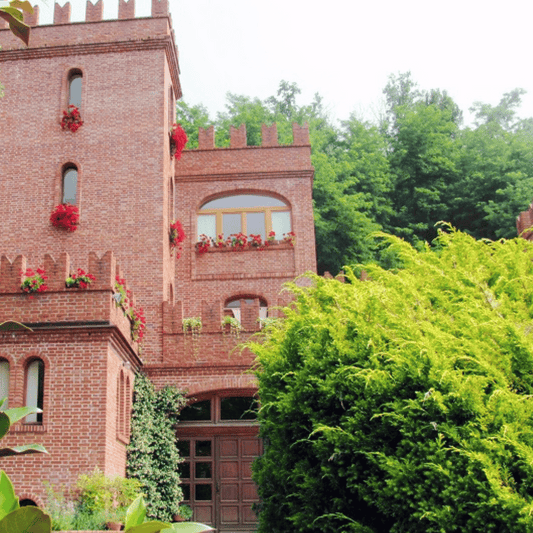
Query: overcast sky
<point x="346" y="49"/>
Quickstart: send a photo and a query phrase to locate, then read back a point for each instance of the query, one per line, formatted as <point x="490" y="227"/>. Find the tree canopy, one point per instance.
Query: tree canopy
<point x="403" y="402"/>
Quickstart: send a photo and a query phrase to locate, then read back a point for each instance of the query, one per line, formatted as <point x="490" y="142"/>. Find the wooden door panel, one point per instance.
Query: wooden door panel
<point x="237" y="491"/>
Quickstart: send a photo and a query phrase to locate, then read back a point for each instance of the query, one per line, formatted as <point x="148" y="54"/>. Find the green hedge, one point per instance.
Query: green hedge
<point x="403" y="403"/>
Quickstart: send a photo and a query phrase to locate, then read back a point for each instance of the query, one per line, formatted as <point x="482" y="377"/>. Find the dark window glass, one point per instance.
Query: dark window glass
<point x="238" y="408"/>
<point x="202" y="492"/>
<point x="203" y="448"/>
<point x="197" y="411"/>
<point x="185" y="470"/>
<point x="186" y="489"/>
<point x="74" y="90"/>
<point x="203" y="471"/>
<point x="184" y="447"/>
<point x="70" y="185"/>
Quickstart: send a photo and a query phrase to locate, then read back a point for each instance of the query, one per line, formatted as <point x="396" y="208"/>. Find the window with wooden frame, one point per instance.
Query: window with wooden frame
<point x="35" y="389"/>
<point x="4" y="381"/>
<point x="244" y="213"/>
<point x="75" y="78"/>
<point x="233" y="307"/>
<point x="69" y="185"/>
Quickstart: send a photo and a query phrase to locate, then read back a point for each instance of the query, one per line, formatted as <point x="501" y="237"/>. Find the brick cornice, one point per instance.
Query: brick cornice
<point x="166" y="42"/>
<point x="245" y="176"/>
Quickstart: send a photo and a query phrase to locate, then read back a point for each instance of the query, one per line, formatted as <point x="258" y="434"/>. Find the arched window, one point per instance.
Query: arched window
<point x="244" y="213"/>
<point x="233" y="307"/>
<point x="35" y="389"/>
<point x="4" y="381"/>
<point x="74" y="88"/>
<point x="70" y="185"/>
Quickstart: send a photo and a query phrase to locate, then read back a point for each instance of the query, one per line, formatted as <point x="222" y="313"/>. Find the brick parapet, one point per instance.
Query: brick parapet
<point x="59" y="304"/>
<point x="240" y="159"/>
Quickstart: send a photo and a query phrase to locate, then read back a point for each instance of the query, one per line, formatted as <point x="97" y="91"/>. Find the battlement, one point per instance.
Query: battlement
<point x="95" y="35"/>
<point x="524" y="221"/>
<point x="59" y="304"/>
<point x="269" y="136"/>
<point x="241" y="159"/>
<point x="94" y="12"/>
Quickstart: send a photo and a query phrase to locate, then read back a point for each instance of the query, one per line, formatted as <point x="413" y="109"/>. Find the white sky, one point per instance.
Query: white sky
<point x="345" y="50"/>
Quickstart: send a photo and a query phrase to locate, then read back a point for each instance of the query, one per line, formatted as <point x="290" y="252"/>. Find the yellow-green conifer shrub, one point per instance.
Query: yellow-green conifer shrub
<point x="403" y="403"/>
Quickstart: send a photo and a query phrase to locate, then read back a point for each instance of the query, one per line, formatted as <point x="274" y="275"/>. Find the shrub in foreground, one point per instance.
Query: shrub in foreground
<point x="403" y="403"/>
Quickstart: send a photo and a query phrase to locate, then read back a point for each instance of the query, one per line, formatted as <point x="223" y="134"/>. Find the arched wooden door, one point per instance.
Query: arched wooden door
<point x="218" y="453"/>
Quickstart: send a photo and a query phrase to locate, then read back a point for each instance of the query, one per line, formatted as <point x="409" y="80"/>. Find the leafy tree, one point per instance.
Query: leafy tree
<point x="153" y="456"/>
<point x="402" y="403"/>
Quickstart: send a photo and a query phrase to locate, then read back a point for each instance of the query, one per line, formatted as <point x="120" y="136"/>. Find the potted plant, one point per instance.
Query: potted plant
<point x="203" y="244"/>
<point x="233" y="325"/>
<point x="80" y="280"/>
<point x="34" y="281"/>
<point x="177" y="236"/>
<point x="65" y="216"/>
<point x="178" y="140"/>
<point x="71" y="119"/>
<point x="184" y="514"/>
<point x="237" y="241"/>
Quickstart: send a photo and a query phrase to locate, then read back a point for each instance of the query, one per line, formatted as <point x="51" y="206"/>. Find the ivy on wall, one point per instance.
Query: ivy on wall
<point x="153" y="456"/>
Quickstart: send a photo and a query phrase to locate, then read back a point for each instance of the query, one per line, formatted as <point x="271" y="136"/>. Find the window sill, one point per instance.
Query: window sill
<point x="28" y="428"/>
<point x="123" y="438"/>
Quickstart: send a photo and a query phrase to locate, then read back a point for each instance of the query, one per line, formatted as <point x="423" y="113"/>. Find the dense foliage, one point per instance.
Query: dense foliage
<point x="153" y="456"/>
<point x="415" y="166"/>
<point x="403" y="403"/>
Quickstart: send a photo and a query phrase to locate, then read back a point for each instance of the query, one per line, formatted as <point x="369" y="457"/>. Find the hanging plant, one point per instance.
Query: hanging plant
<point x="81" y="280"/>
<point x="178" y="140"/>
<point x="193" y="325"/>
<point x="71" y="119"/>
<point x="65" y="216"/>
<point x="34" y="281"/>
<point x="233" y="324"/>
<point x="138" y="324"/>
<point x="177" y="236"/>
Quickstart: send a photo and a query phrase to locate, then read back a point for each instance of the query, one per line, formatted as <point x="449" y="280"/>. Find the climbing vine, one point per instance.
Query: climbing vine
<point x="153" y="456"/>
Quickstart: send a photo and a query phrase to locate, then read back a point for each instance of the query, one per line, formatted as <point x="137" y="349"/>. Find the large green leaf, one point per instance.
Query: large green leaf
<point x="148" y="527"/>
<point x="18" y="413"/>
<point x="22" y="450"/>
<point x="188" y="527"/>
<point x="4" y="424"/>
<point x="19" y="29"/>
<point x="26" y="520"/>
<point x="136" y="513"/>
<point x="23" y="5"/>
<point x="8" y="501"/>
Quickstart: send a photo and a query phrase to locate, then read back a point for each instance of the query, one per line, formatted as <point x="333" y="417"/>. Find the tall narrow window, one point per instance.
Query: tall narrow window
<point x="4" y="381"/>
<point x="35" y="389"/>
<point x="70" y="185"/>
<point x="74" y="88"/>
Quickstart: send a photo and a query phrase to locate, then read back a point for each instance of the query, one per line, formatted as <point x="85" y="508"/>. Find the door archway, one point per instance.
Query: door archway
<point x="218" y="438"/>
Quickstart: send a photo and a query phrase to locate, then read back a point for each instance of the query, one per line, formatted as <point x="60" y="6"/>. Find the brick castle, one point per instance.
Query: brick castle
<point x="74" y="354"/>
